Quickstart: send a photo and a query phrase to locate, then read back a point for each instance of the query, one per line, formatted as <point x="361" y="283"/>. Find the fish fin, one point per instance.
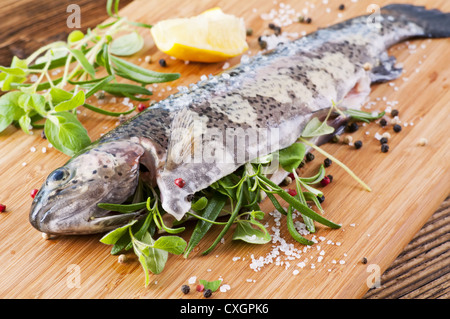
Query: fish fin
<point x="182" y="139"/>
<point x="358" y="94"/>
<point x="385" y="70"/>
<point x="436" y="24"/>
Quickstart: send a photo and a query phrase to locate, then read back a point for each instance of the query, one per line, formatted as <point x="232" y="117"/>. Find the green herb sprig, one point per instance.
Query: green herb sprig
<point x="51" y="103"/>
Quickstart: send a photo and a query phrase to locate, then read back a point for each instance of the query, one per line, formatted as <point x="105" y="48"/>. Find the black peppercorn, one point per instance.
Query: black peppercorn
<point x="321" y="199"/>
<point x="341" y="7"/>
<point x="384" y="148"/>
<point x="394" y="113"/>
<point x="353" y="127"/>
<point x="277" y="30"/>
<point x="397" y="128"/>
<point x="383" y="140"/>
<point x="327" y="162"/>
<point x="308" y="20"/>
<point x="364" y="260"/>
<point x="309" y="157"/>
<point x="207" y="293"/>
<point x="162" y="63"/>
<point x="383" y="122"/>
<point x="358" y="144"/>
<point x="330" y="177"/>
<point x="262" y="43"/>
<point x="185" y="289"/>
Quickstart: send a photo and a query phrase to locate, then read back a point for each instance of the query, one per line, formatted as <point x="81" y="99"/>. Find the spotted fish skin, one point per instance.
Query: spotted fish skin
<point x="273" y="96"/>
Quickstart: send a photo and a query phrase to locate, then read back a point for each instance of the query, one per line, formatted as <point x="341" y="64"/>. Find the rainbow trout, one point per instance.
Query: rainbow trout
<point x="188" y="141"/>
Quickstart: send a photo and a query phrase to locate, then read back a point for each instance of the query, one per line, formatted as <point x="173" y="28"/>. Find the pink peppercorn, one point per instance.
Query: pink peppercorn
<point x="292" y="192"/>
<point x="200" y="287"/>
<point x="34" y="192"/>
<point x="325" y="181"/>
<point x="180" y="182"/>
<point x="141" y="107"/>
<point x="2" y="208"/>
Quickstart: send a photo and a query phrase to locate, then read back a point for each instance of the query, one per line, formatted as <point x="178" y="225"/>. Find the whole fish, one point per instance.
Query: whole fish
<point x="188" y="141"/>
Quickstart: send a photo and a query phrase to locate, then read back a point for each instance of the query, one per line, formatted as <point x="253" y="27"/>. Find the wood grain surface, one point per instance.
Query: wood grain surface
<point x="401" y="228"/>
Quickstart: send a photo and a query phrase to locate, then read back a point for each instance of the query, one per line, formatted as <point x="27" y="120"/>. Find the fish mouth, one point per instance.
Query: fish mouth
<point x="98" y="222"/>
<point x="70" y="217"/>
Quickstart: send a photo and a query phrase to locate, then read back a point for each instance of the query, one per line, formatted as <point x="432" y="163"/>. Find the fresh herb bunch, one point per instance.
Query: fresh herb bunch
<point x="238" y="195"/>
<point x="54" y="101"/>
<point x="241" y="192"/>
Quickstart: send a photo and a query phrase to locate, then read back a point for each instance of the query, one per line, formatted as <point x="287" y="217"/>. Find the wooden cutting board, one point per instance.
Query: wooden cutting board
<point x="409" y="182"/>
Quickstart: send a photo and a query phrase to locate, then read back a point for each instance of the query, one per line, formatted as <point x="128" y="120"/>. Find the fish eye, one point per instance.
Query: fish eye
<point x="59" y="174"/>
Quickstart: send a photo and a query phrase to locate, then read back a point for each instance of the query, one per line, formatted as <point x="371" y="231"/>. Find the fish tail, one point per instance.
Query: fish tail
<point x="435" y="23"/>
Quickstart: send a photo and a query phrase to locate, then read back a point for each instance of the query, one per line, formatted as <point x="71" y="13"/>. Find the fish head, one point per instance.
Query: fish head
<point x="67" y="202"/>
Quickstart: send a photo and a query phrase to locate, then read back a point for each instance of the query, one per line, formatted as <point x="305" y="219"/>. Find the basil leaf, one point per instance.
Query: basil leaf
<point x="66" y="133"/>
<point x="172" y="244"/>
<point x="9" y="109"/>
<point x="127" y="44"/>
<point x="25" y="123"/>
<point x="13" y="71"/>
<point x="75" y="101"/>
<point x="113" y="236"/>
<point x="13" y="74"/>
<point x="291" y="157"/>
<point x="316" y="128"/>
<point x="124" y="243"/>
<point x="213" y="285"/>
<point x="39" y="103"/>
<point x="135" y="73"/>
<point x="152" y="259"/>
<point x="246" y="232"/>
<point x="59" y="95"/>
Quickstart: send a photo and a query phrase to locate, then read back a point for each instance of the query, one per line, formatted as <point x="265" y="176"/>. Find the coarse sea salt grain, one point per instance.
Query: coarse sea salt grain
<point x="224" y="288"/>
<point x="192" y="280"/>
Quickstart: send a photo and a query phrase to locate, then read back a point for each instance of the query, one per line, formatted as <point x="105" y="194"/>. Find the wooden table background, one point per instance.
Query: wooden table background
<point x="422" y="270"/>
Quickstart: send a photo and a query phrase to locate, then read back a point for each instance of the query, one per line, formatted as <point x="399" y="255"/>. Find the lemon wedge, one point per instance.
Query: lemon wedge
<point x="212" y="36"/>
